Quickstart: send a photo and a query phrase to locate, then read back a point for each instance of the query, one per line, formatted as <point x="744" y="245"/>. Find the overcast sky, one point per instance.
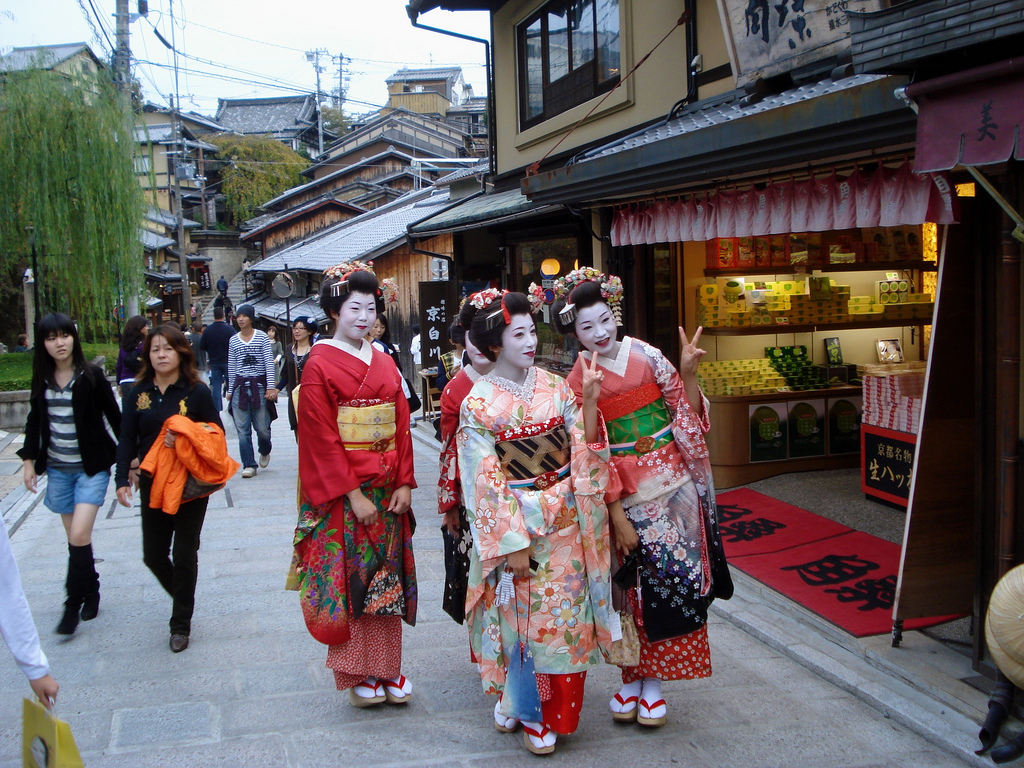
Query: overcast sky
<point x="262" y="42"/>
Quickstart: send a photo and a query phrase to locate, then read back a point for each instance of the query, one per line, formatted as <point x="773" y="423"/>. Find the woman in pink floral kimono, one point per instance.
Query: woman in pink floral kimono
<point x="538" y="601"/>
<point x="660" y="497"/>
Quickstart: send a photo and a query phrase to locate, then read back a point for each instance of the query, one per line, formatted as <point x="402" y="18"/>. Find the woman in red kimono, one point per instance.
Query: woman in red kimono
<point x="458" y="538"/>
<point x="353" y="543"/>
<point x="660" y="497"/>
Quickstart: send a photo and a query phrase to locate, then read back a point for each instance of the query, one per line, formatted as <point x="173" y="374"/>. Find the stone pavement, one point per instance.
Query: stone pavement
<point x="252" y="689"/>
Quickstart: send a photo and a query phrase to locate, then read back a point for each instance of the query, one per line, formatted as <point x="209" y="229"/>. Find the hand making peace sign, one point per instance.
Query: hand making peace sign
<point x="689" y="353"/>
<point x="592" y="380"/>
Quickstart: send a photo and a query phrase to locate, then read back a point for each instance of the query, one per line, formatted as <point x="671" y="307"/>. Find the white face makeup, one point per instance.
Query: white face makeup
<point x="519" y="343"/>
<point x="595" y="328"/>
<point x="356" y="317"/>
<point x="477" y="358"/>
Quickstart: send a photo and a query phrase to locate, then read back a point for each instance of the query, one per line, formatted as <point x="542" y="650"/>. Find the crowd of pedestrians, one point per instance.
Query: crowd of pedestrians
<point x="579" y="515"/>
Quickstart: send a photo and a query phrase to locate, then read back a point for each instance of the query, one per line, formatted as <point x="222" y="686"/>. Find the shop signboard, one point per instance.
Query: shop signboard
<point x="844" y="425"/>
<point x="767" y="432"/>
<point x="887" y="463"/>
<point x="438" y="308"/>
<point x="769" y="37"/>
<point x="806" y="429"/>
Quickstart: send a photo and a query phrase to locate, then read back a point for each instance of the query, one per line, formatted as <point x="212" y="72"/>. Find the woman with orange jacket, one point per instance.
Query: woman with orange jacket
<point x="168" y="385"/>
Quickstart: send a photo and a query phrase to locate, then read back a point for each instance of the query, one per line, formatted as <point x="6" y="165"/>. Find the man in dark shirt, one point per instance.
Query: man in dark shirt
<point x="222" y="286"/>
<point x="215" y="344"/>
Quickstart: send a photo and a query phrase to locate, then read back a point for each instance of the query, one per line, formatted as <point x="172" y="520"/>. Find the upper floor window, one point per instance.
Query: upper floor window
<point x="568" y="53"/>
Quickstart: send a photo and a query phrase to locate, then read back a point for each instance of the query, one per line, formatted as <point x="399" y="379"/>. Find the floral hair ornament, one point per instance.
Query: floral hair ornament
<point x="341" y="273"/>
<point x="483" y="299"/>
<point x="389" y="290"/>
<point x="611" y="292"/>
<point x="535" y="294"/>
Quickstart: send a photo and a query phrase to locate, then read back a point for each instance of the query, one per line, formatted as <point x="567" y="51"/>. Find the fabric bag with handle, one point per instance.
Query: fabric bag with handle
<point x="46" y="740"/>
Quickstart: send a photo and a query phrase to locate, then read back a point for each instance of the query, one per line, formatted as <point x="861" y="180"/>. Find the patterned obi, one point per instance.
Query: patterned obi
<point x="638" y="422"/>
<point x="367" y="425"/>
<point x="534" y="456"/>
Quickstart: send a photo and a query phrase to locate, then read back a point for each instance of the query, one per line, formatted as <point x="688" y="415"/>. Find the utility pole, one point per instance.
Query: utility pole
<point x="313" y="57"/>
<point x="342" y="89"/>
<point x="179" y="156"/>
<point x="121" y="52"/>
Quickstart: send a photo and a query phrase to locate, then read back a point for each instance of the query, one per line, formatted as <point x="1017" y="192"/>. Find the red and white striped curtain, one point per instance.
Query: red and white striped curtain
<point x="880" y="197"/>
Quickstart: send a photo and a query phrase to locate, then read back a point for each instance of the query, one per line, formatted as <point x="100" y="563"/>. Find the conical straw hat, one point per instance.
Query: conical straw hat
<point x="1004" y="625"/>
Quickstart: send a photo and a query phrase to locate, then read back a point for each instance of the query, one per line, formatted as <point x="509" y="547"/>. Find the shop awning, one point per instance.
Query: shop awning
<point x="974" y="117"/>
<point x="276" y="310"/>
<point x="477" y="211"/>
<point x="725" y="138"/>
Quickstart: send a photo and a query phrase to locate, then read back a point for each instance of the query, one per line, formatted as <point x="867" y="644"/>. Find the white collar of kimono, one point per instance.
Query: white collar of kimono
<point x="364" y="353"/>
<point x="473" y="374"/>
<point x="617" y="364"/>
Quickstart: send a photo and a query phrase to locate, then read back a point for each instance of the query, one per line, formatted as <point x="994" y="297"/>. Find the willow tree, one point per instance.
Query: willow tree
<point x="68" y="190"/>
<point x="259" y="169"/>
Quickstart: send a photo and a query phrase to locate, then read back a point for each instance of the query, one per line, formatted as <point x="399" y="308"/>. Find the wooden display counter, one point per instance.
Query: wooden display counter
<point x="757" y="436"/>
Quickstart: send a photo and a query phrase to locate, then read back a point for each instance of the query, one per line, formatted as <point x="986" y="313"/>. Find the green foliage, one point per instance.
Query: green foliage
<point x="67" y="171"/>
<point x="16" y="367"/>
<point x="261" y="169"/>
<point x="334" y="120"/>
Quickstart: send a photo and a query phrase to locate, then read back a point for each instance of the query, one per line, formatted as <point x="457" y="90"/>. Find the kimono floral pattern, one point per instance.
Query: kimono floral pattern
<point x="562" y="611"/>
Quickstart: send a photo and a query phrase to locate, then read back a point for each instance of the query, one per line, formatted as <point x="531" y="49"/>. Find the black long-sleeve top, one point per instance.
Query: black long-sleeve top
<point x="145" y="411"/>
<point x="91" y="399"/>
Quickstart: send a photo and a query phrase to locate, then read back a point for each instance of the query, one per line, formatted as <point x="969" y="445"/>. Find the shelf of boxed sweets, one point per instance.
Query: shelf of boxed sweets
<point x="793" y="269"/>
<point x="781" y="370"/>
<point x="740" y="307"/>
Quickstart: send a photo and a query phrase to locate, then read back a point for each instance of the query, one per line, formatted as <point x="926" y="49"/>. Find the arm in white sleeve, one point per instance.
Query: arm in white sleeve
<point x="16" y="624"/>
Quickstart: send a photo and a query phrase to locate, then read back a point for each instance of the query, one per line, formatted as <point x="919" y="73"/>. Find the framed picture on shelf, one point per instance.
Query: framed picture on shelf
<point x="833" y="352"/>
<point x="889" y="351"/>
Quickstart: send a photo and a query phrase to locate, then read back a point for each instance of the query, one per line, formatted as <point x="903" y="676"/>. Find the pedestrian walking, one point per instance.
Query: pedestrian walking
<point x="214" y="344"/>
<point x="69" y="435"/>
<point x="168" y="386"/>
<point x="458" y="535"/>
<point x="195" y="336"/>
<point x="252" y="384"/>
<point x="353" y="543"/>
<point x="539" y="592"/>
<point x="222" y="286"/>
<point x="277" y="350"/>
<point x="129" y="362"/>
<point x="19" y="630"/>
<point x="303" y="331"/>
<point x="661" y="498"/>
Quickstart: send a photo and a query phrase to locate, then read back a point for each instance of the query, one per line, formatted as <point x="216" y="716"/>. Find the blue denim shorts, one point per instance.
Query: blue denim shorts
<point x="66" y="489"/>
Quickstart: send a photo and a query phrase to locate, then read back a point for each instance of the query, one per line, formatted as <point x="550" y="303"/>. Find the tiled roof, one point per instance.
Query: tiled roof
<point x="478" y="210"/>
<point x="361" y="238"/>
<point x="151" y="241"/>
<point x="389" y="128"/>
<point x="464" y="173"/>
<point x="476" y="104"/>
<point x="283" y="115"/>
<point x="389" y="152"/>
<point x="167" y="218"/>
<point x="48" y="55"/>
<point x="420" y="75"/>
<point x="164" y="134"/>
<point x="724" y="113"/>
<point x="262" y="223"/>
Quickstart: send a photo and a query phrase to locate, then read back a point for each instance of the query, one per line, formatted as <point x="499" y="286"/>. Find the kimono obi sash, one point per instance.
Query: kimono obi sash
<point x="534" y="456"/>
<point x="367" y="425"/>
<point x="638" y="422"/>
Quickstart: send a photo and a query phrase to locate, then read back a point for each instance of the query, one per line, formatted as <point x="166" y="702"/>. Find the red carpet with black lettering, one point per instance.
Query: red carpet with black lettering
<point x="845" y="576"/>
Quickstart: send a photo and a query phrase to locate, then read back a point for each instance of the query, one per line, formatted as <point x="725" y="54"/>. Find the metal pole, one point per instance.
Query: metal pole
<point x="179" y="146"/>
<point x="121" y="53"/>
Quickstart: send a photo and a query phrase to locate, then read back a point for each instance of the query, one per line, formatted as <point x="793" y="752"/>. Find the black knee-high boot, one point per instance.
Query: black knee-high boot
<point x="91" y="584"/>
<point x="82" y="580"/>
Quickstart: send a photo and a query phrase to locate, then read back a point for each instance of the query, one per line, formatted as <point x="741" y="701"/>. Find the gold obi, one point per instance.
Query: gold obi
<point x="367" y="427"/>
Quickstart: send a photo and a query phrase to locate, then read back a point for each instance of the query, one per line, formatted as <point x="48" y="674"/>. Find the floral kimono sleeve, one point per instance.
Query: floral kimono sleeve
<point x="590" y="473"/>
<point x="687" y="428"/>
<point x="494" y="512"/>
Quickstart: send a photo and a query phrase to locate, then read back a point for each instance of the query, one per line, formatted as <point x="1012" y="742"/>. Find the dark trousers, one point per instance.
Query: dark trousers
<point x="170" y="549"/>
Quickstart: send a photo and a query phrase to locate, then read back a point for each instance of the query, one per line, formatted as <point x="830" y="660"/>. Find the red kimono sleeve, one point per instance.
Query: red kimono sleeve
<point x="323" y="461"/>
<point x="404" y="473"/>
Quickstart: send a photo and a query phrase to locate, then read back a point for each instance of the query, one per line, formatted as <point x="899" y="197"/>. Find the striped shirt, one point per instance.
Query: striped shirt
<point x="254" y="359"/>
<point x="63" y="452"/>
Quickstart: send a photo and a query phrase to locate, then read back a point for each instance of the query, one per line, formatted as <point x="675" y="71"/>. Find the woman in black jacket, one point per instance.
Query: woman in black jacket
<point x="69" y="435"/>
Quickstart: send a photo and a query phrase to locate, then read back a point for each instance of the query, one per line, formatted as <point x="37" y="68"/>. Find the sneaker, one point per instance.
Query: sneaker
<point x="249" y="472"/>
<point x="264" y="460"/>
